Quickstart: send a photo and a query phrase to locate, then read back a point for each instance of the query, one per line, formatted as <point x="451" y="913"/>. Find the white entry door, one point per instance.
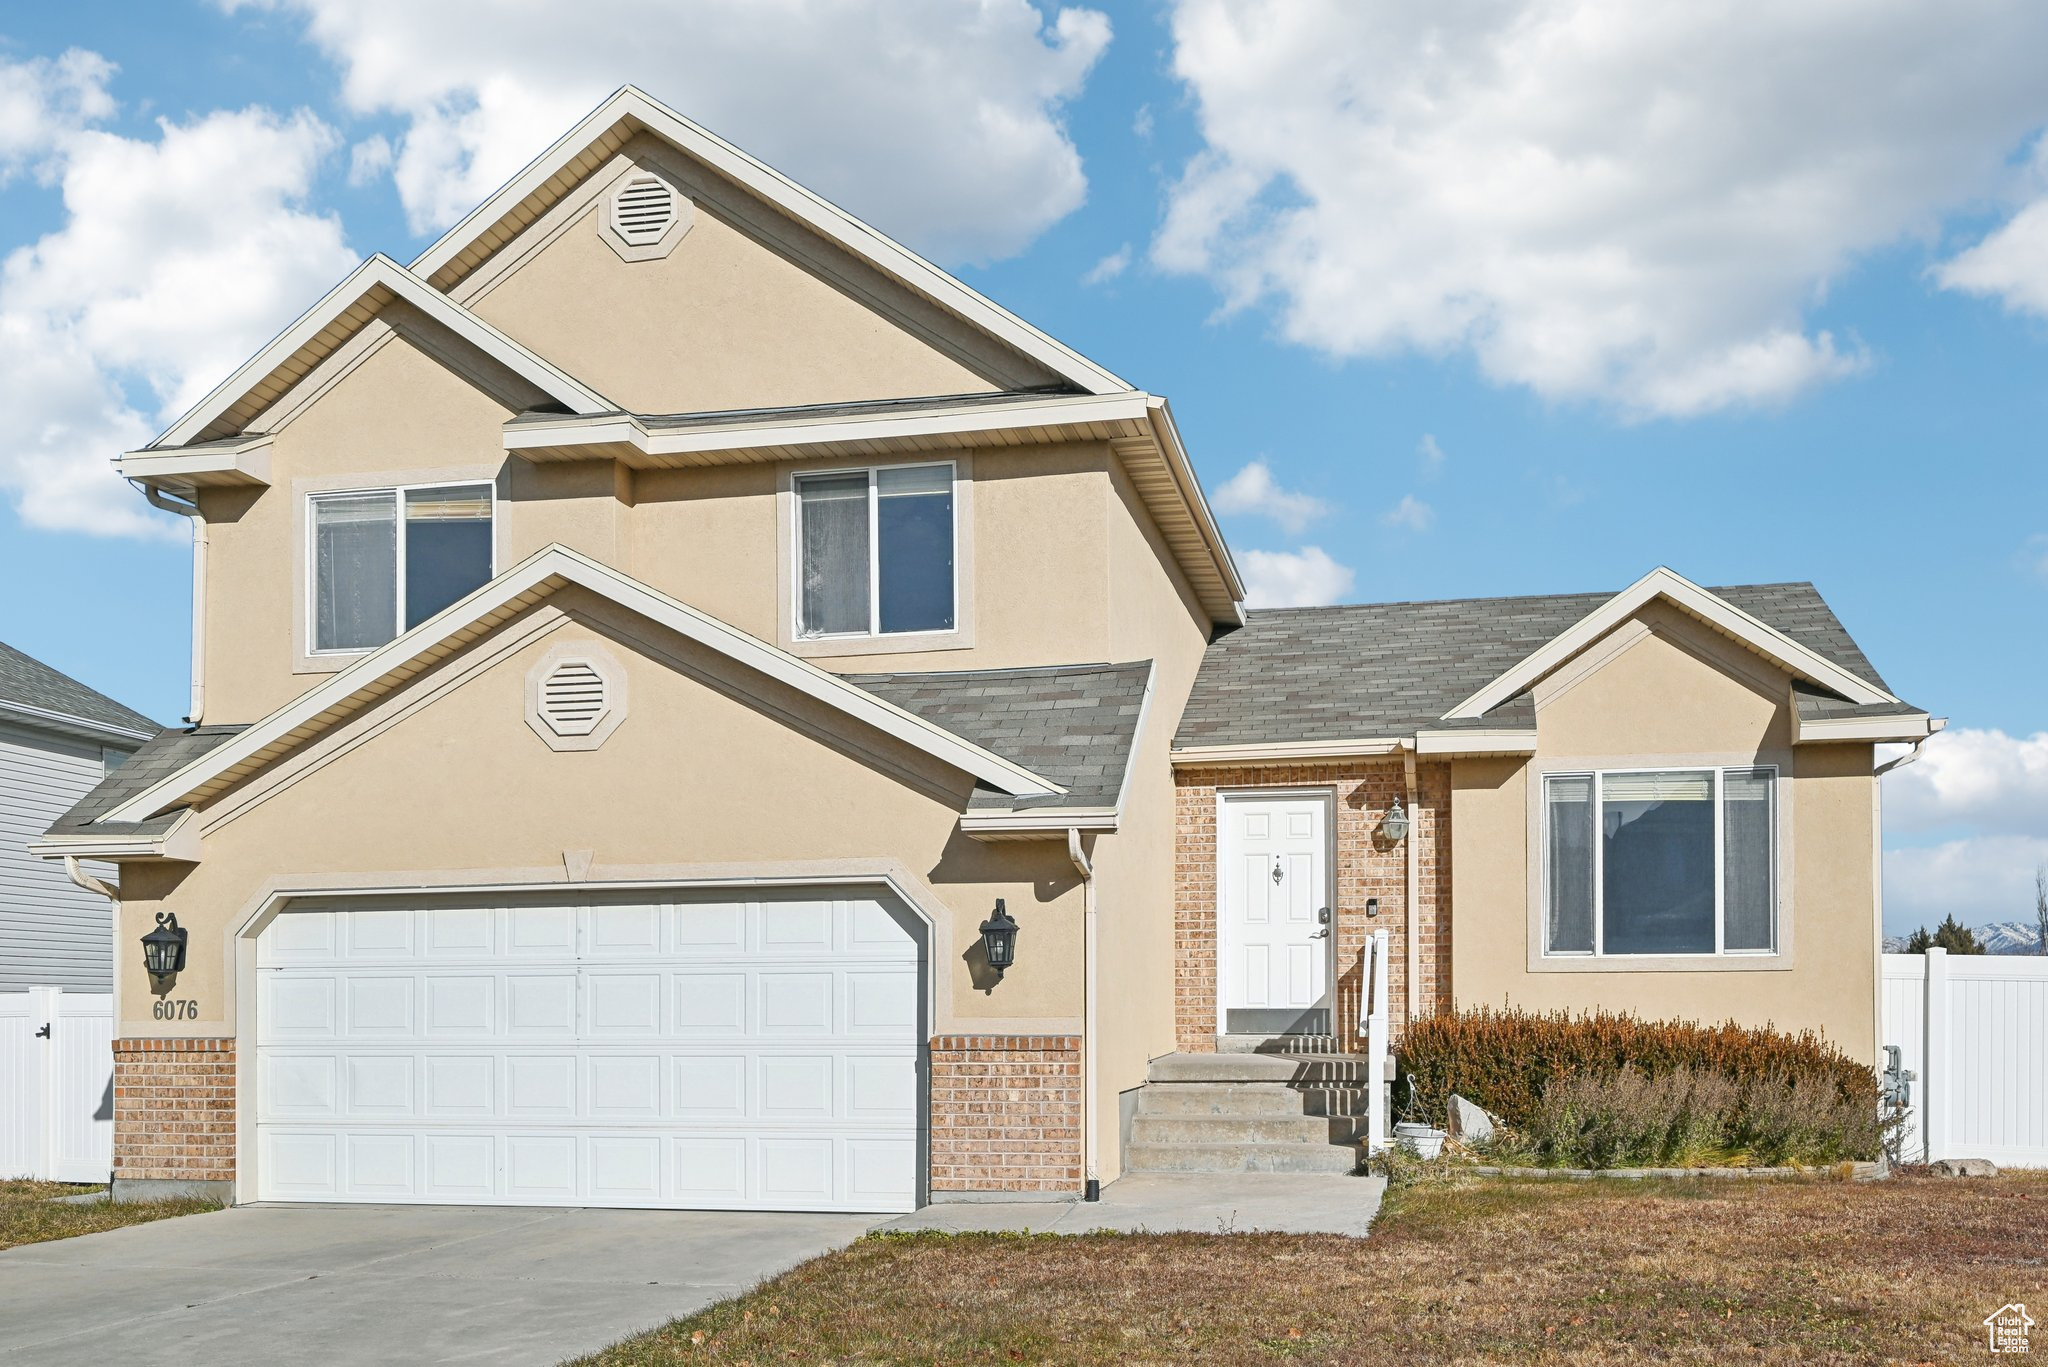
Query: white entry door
<point x="751" y="1052"/>
<point x="1274" y="946"/>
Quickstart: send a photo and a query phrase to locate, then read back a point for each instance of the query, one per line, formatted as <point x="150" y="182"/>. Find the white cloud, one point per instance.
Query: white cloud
<point x="1109" y="267"/>
<point x="43" y="100"/>
<point x="177" y="257"/>
<point x="2034" y="555"/>
<point x="937" y="120"/>
<point x="1990" y="782"/>
<point x="1294" y="579"/>
<point x="1142" y="123"/>
<point x="1433" y="456"/>
<point x="1412" y="513"/>
<point x="369" y="159"/>
<point x="1597" y="199"/>
<point x="1978" y="880"/>
<point x="1254" y="491"/>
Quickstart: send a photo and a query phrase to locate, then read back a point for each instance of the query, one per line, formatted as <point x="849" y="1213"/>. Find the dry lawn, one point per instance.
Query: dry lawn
<point x="1487" y="1272"/>
<point x="29" y="1216"/>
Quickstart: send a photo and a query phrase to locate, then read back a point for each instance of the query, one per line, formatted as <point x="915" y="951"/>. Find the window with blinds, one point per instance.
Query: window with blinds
<point x="875" y="551"/>
<point x="1660" y="862"/>
<point x="384" y="560"/>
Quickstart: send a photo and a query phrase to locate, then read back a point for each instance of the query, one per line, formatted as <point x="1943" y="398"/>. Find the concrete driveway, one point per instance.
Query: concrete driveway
<point x="385" y="1284"/>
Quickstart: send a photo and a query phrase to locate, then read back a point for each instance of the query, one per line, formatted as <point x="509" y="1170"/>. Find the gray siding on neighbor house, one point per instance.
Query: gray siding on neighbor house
<point x="52" y="934"/>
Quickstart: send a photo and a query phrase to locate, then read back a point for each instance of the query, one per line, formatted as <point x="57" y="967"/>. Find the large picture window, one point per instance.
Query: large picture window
<point x="875" y="551"/>
<point x="385" y="560"/>
<point x="1660" y="861"/>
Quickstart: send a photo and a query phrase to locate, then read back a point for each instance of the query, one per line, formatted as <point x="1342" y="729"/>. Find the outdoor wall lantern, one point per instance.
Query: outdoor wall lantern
<point x="999" y="939"/>
<point x="163" y="949"/>
<point x="1396" y="823"/>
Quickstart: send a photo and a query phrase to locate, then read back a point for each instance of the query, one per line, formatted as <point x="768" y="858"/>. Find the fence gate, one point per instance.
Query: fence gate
<point x="1974" y="1028"/>
<point x="56" y="1085"/>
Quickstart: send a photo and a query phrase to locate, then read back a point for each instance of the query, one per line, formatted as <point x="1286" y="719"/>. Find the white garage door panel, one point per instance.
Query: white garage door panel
<point x="757" y="1055"/>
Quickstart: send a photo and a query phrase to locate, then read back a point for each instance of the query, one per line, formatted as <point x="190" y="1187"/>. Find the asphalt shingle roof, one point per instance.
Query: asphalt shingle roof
<point x="28" y="682"/>
<point x="160" y="756"/>
<point x="1377" y="670"/>
<point x="1073" y="724"/>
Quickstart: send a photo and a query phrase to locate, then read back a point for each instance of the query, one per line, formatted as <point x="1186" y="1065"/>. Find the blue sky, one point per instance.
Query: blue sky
<point x="1503" y="308"/>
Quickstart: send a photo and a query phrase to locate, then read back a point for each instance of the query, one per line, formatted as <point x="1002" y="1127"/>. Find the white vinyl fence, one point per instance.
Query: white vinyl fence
<point x="1974" y="1030"/>
<point x="56" y="1085"/>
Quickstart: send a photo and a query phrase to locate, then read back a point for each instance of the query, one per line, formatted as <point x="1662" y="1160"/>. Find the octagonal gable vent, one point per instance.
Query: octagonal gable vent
<point x="573" y="698"/>
<point x="644" y="210"/>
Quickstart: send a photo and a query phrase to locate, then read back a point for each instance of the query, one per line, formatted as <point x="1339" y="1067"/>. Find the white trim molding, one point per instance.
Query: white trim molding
<point x="541" y="574"/>
<point x="1900" y="727"/>
<point x="1715" y="611"/>
<point x="631" y="110"/>
<point x="1475" y="742"/>
<point x="343" y="311"/>
<point x="225" y="464"/>
<point x="179" y="841"/>
<point x="1283" y="752"/>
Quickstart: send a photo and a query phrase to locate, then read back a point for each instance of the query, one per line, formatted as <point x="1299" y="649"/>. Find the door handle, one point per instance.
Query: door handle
<point x="1322" y="934"/>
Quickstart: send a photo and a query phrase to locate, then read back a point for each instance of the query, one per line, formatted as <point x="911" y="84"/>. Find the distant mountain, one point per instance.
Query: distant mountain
<point x="1999" y="937"/>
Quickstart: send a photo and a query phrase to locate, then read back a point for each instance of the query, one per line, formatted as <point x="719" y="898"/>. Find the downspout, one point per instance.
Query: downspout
<point x="1413" y="994"/>
<point x="1090" y="1143"/>
<point x="158" y="498"/>
<point x="77" y="874"/>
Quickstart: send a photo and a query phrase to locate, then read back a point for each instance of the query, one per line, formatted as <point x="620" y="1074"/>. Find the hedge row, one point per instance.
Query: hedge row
<point x="1505" y="1060"/>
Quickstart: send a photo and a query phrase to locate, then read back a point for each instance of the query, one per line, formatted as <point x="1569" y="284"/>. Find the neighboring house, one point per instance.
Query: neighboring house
<point x="58" y="739"/>
<point x="669" y="618"/>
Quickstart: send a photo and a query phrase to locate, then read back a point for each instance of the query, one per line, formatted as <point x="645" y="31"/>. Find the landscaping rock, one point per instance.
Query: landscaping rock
<point x="1470" y="1124"/>
<point x="1963" y="1167"/>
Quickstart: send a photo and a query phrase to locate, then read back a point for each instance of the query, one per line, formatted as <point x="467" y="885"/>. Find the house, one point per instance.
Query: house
<point x="678" y="632"/>
<point x="58" y="739"/>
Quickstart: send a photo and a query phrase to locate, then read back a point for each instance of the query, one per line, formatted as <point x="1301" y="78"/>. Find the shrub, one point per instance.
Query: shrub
<point x="1613" y="1088"/>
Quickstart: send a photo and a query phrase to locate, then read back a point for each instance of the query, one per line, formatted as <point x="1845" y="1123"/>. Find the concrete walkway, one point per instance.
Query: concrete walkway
<point x="1172" y="1203"/>
<point x="385" y="1284"/>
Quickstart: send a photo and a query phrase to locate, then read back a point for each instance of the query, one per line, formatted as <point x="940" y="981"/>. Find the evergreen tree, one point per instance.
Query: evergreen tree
<point x="1950" y="935"/>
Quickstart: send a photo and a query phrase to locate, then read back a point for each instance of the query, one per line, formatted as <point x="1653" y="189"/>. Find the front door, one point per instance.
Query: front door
<point x="1274" y="942"/>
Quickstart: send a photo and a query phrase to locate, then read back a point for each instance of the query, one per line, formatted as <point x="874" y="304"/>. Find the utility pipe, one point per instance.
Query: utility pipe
<point x="1090" y="1142"/>
<point x="158" y="498"/>
<point x="1413" y="994"/>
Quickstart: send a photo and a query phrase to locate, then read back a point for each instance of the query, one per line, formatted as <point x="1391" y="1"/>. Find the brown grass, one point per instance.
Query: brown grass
<point x="1484" y="1272"/>
<point x="29" y="1216"/>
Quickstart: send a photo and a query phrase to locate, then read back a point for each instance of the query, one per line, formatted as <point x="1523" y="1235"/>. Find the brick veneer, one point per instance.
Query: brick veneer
<point x="1366" y="867"/>
<point x="174" y="1109"/>
<point x="1006" y="1113"/>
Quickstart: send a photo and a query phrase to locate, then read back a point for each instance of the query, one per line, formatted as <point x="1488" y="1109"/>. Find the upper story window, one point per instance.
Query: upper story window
<point x="1660" y="861"/>
<point x="875" y="551"/>
<point x="385" y="560"/>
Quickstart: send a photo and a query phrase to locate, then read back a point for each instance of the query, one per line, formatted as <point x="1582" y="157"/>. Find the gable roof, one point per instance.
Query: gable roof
<point x="341" y="313"/>
<point x="586" y="148"/>
<point x="1384" y="671"/>
<point x="389" y="667"/>
<point x="1075" y="724"/>
<point x="160" y="756"/>
<point x="32" y="692"/>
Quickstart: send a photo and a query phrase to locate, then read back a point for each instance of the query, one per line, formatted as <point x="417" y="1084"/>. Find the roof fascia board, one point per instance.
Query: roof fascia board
<point x="179" y="841"/>
<point x="1284" y="751"/>
<point x="1050" y="824"/>
<point x="1900" y="727"/>
<point x="786" y="195"/>
<point x="1715" y="611"/>
<point x="627" y="427"/>
<point x="1167" y="433"/>
<point x="230" y="463"/>
<point x="23" y="714"/>
<point x="381" y="270"/>
<point x="557" y="562"/>
<point x="1475" y="743"/>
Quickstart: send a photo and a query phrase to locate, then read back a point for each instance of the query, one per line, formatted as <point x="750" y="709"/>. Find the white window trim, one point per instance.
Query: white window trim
<point x="310" y="648"/>
<point x="789" y="615"/>
<point x="1780" y="956"/>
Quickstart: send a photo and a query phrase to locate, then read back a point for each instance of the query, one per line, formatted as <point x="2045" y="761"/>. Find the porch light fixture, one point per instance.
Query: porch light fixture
<point x="163" y="949"/>
<point x="1396" y="823"/>
<point x="999" y="939"/>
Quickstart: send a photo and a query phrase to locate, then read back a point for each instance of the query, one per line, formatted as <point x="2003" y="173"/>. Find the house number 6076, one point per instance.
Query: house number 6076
<point x="175" y="1009"/>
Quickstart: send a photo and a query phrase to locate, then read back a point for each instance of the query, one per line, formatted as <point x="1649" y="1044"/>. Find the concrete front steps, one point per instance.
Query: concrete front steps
<point x="1250" y="1112"/>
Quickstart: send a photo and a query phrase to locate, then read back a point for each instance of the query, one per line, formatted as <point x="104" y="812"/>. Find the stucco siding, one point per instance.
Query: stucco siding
<point x="1667" y="691"/>
<point x="52" y="933"/>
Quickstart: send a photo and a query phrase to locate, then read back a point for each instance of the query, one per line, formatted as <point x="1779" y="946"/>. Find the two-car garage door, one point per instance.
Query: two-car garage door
<point x="733" y="1052"/>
